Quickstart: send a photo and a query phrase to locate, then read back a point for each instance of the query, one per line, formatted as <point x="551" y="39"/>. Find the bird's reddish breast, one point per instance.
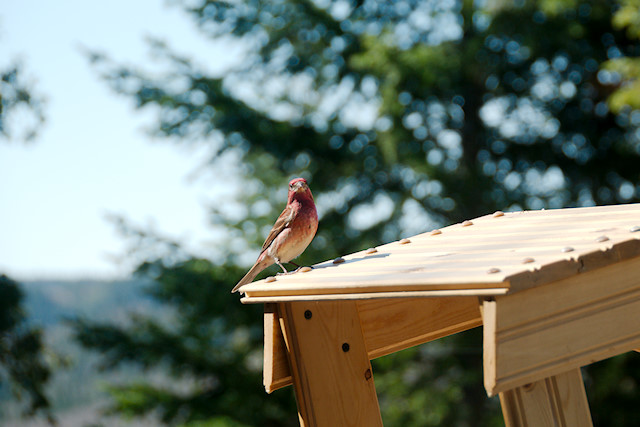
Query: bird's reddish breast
<point x="300" y="231"/>
<point x="305" y="215"/>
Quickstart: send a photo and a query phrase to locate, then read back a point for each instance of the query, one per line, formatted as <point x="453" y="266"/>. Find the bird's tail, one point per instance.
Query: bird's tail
<point x="248" y="278"/>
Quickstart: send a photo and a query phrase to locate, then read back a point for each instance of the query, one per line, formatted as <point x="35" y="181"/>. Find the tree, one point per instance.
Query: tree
<point x="21" y="361"/>
<point x="627" y="68"/>
<point x="22" y="366"/>
<point x="208" y="347"/>
<point x="403" y="116"/>
<point x="16" y="96"/>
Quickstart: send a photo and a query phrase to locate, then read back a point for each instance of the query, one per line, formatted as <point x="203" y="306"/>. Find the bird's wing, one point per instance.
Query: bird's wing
<point x="282" y="222"/>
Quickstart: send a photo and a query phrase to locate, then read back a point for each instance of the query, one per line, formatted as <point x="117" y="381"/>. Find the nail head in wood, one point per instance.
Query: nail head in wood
<point x="345" y="347"/>
<point x="270" y="279"/>
<point x="527" y="260"/>
<point x="497" y="214"/>
<point x="493" y="270"/>
<point x="567" y="249"/>
<point x="405" y="241"/>
<point x="338" y="260"/>
<point x="367" y="374"/>
<point x="602" y="239"/>
<point x="308" y="314"/>
<point x="634" y="228"/>
<point x="436" y="232"/>
<point x="371" y="251"/>
<point x="467" y="223"/>
<point x="305" y="269"/>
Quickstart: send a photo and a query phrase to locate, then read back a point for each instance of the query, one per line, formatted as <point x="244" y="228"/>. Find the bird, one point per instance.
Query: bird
<point x="293" y="231"/>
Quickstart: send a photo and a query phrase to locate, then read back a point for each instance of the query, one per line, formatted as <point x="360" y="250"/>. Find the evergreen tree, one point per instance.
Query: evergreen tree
<point x="22" y="366"/>
<point x="17" y="95"/>
<point x="403" y="116"/>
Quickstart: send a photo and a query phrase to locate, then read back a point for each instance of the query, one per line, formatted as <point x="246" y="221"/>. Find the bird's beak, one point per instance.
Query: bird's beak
<point x="299" y="186"/>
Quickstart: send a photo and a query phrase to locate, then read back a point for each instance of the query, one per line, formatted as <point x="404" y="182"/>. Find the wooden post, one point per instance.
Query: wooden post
<point x="275" y="371"/>
<point x="330" y="368"/>
<point x="388" y="325"/>
<point x="558" y="401"/>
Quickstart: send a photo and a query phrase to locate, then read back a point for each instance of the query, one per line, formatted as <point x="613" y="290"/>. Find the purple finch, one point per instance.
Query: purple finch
<point x="291" y="234"/>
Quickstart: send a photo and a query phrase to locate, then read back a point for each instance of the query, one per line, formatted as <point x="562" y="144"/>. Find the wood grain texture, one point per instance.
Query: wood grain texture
<point x="329" y="364"/>
<point x="275" y="372"/>
<point x="551" y="329"/>
<point x="485" y="256"/>
<point x="558" y="401"/>
<point x="395" y="324"/>
<point x="380" y="295"/>
<point x="388" y="325"/>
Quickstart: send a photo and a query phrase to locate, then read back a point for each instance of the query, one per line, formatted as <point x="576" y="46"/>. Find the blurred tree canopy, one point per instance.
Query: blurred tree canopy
<point x="403" y="116"/>
<point x="18" y="101"/>
<point x="206" y="347"/>
<point x="22" y="367"/>
<point x="627" y="18"/>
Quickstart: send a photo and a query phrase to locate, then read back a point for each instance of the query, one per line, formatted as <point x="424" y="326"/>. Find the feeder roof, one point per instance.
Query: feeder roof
<point x="494" y="254"/>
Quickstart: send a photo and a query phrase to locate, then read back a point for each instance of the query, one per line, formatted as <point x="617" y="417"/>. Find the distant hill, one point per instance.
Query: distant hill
<point x="77" y="388"/>
<point x="49" y="302"/>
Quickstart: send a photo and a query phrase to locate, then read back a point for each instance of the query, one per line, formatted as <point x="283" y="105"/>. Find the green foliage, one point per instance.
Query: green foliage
<point x="403" y="116"/>
<point x="628" y="17"/>
<point x="612" y="388"/>
<point x="438" y="384"/>
<point x="209" y="346"/>
<point x="627" y="68"/>
<point x="462" y="123"/>
<point x="16" y="95"/>
<point x="21" y="351"/>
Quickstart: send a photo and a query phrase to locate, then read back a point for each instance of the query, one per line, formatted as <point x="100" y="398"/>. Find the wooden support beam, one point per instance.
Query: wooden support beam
<point x="395" y="324"/>
<point x="547" y="330"/>
<point x="558" y="401"/>
<point x="388" y="325"/>
<point x="275" y="371"/>
<point x="330" y="367"/>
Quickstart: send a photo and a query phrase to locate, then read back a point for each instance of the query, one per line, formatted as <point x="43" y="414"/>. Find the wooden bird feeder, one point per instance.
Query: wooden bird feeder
<point x="554" y="290"/>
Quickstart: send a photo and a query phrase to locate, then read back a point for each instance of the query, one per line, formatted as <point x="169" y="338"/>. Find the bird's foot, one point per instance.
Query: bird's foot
<point x="286" y="273"/>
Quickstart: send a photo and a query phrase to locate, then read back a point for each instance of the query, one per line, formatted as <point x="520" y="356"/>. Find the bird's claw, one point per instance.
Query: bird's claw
<point x="286" y="273"/>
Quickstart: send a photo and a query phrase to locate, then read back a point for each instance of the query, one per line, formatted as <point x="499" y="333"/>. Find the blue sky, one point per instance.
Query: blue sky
<point x="93" y="157"/>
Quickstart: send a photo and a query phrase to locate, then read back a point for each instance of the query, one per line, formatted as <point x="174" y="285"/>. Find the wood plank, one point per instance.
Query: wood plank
<point x="275" y="372"/>
<point x="330" y="368"/>
<point x="342" y="290"/>
<point x="558" y="401"/>
<point x="447" y="273"/>
<point x="395" y="324"/>
<point x="562" y="243"/>
<point x="580" y="263"/>
<point x="464" y="261"/>
<point x="380" y="295"/>
<point x="409" y="278"/>
<point x="489" y="343"/>
<point x="560" y="326"/>
<point x="388" y="325"/>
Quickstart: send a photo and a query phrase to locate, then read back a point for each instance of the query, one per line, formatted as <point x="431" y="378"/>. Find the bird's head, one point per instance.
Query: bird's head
<point x="299" y="187"/>
<point x="298" y="184"/>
